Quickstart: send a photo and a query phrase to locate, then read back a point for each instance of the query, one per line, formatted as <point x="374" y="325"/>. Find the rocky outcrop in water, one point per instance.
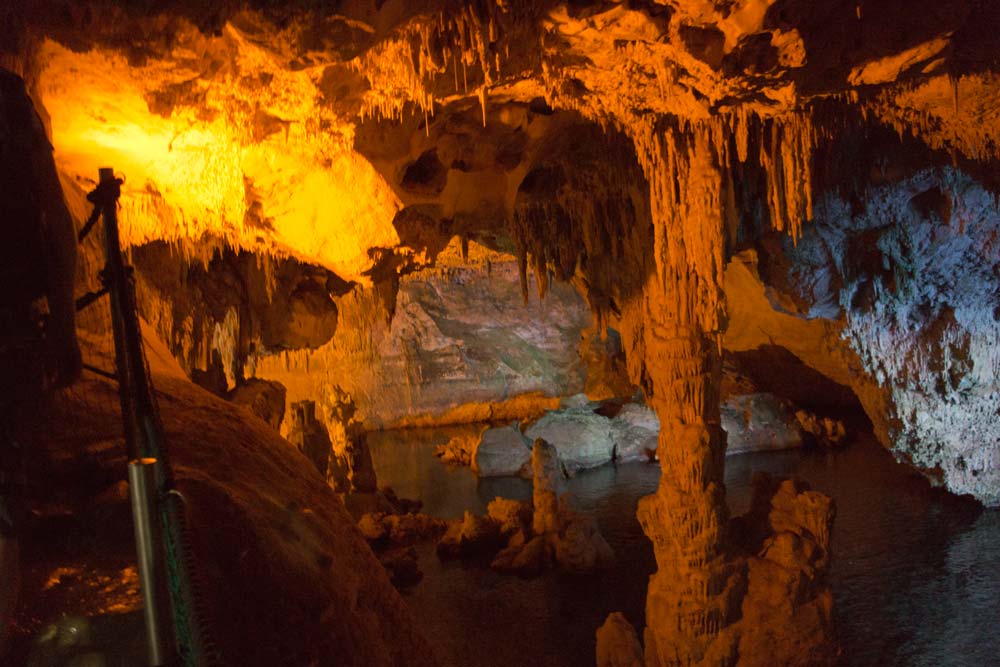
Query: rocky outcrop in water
<point x="781" y="555"/>
<point x="787" y="613"/>
<point x="392" y="534"/>
<point x="634" y="431"/>
<point x="759" y="422"/>
<point x="528" y="538"/>
<point x="589" y="434"/>
<point x="558" y="536"/>
<point x="500" y="452"/>
<point x="581" y="437"/>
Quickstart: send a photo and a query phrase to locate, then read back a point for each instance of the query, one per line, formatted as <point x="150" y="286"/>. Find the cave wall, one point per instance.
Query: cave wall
<point x="911" y="276"/>
<point x="455" y="343"/>
<point x="462" y="346"/>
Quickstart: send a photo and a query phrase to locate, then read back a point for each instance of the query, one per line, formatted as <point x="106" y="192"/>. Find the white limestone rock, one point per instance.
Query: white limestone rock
<point x="501" y="452"/>
<point x="635" y="432"/>
<point x="912" y="277"/>
<point x="582" y="438"/>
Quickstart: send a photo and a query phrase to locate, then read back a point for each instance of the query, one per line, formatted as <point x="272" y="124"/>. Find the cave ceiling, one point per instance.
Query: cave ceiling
<point x="337" y="132"/>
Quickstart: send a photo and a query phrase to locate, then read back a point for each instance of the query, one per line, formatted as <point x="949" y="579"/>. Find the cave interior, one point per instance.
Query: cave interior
<point x="536" y="239"/>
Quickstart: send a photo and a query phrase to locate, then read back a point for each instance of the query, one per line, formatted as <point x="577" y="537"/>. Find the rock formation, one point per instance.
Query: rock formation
<point x="310" y="437"/>
<point x="501" y="451"/>
<point x="547" y="477"/>
<point x="617" y="643"/>
<point x="581" y="437"/>
<point x="586" y="434"/>
<point x="450" y="328"/>
<point x="787" y="613"/>
<point x="263" y="398"/>
<point x="558" y="535"/>
<point x="755" y="422"/>
<point x="351" y="469"/>
<point x="634" y="431"/>
<point x="337" y="446"/>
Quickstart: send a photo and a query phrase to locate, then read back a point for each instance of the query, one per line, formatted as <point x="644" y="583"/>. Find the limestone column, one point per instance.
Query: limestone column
<point x="693" y="594"/>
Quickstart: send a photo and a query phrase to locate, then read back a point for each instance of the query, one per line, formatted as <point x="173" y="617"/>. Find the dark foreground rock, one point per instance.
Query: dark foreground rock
<point x="289" y="579"/>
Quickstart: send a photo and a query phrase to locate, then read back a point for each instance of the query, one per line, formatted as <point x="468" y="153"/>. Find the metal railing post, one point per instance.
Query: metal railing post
<point x="149" y="548"/>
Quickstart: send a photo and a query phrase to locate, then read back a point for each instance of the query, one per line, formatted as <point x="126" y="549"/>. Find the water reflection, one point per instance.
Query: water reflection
<point x="915" y="575"/>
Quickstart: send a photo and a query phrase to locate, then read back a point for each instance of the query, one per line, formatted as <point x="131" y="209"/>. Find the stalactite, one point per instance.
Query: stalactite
<point x="586" y="215"/>
<point x="929" y="109"/>
<point x="405" y="67"/>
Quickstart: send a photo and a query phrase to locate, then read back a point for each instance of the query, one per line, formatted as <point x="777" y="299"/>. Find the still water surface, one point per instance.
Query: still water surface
<point x="915" y="574"/>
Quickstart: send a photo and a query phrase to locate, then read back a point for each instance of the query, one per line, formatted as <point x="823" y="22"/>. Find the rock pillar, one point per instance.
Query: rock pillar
<point x="695" y="593"/>
<point x="352" y="469"/>
<point x="309" y="435"/>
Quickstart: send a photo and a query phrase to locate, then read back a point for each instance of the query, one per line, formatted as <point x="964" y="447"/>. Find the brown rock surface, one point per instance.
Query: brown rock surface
<point x="618" y="644"/>
<point x="628" y="147"/>
<point x="263" y="398"/>
<point x="788" y="608"/>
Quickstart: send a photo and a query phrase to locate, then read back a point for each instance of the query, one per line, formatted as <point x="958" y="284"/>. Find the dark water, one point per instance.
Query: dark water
<point x="915" y="575"/>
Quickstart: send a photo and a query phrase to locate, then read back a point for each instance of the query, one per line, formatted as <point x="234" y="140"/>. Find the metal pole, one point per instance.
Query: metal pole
<point x="105" y="198"/>
<point x="142" y="489"/>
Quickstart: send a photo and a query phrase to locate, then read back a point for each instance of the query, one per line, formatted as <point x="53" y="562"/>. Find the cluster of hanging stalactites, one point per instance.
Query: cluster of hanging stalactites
<point x="592" y="225"/>
<point x="959" y="114"/>
<point x="470" y="41"/>
<point x="692" y="170"/>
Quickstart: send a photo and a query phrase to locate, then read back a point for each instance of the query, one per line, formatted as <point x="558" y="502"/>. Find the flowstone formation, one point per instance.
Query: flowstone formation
<point x="628" y="148"/>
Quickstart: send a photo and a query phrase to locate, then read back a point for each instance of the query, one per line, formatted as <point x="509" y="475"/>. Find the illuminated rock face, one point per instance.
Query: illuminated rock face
<point x="910" y="277"/>
<point x="690" y="597"/>
<point x="244" y="158"/>
<point x="461" y="347"/>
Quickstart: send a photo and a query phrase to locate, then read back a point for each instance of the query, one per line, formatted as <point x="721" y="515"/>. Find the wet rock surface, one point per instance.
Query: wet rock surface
<point x="558" y="536"/>
<point x="635" y="431"/>
<point x="788" y="608"/>
<point x="581" y="437"/>
<point x="501" y="451"/>
<point x="758" y="422"/>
